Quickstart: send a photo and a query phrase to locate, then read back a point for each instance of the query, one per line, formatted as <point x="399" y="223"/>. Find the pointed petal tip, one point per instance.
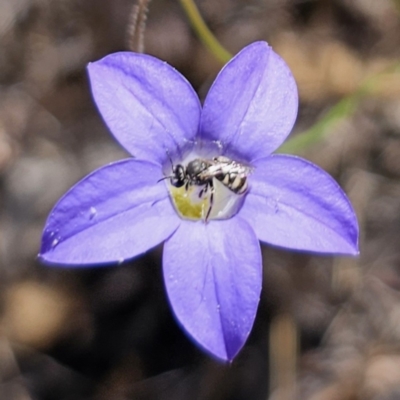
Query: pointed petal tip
<point x="260" y="44"/>
<point x="221" y="355"/>
<point x="351" y="251"/>
<point x="223" y="359"/>
<point x="355" y="252"/>
<point x="43" y="258"/>
<point x="351" y="246"/>
<point x="91" y="65"/>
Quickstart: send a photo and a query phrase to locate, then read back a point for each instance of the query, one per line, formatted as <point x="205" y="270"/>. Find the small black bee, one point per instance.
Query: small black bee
<point x="201" y="172"/>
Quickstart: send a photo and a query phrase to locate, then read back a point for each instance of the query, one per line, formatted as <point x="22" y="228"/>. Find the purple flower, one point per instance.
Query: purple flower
<point x="212" y="269"/>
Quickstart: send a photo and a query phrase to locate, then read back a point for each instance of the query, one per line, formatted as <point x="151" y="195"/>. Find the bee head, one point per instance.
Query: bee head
<point x="178" y="177"/>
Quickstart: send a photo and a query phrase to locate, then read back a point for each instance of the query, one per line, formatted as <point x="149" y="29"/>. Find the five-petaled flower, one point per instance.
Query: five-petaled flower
<point x="212" y="269"/>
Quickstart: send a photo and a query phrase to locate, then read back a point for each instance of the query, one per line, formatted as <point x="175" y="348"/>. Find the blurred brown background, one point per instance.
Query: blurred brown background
<point x="327" y="328"/>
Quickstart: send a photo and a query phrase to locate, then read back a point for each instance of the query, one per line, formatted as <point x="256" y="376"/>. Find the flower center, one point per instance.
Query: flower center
<point x="205" y="189"/>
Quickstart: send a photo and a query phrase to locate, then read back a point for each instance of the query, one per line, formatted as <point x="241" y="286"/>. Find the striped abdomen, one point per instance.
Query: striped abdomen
<point x="237" y="182"/>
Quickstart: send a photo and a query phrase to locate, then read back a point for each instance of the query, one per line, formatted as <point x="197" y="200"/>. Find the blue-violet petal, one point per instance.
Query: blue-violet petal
<point x="295" y="204"/>
<point x="115" y="213"/>
<point x="252" y="105"/>
<point x="213" y="277"/>
<point x="150" y="108"/>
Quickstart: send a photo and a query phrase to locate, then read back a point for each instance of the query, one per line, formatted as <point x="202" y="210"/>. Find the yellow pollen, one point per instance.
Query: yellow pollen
<point x="188" y="204"/>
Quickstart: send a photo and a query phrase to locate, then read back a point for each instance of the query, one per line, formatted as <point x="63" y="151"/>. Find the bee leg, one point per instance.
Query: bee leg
<point x="203" y="191"/>
<point x="212" y="190"/>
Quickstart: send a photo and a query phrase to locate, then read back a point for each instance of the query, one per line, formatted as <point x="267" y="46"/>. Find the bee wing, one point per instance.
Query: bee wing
<point x="211" y="171"/>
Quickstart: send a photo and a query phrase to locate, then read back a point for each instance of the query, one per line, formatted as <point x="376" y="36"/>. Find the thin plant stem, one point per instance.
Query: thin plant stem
<point x="137" y="26"/>
<point x="203" y="33"/>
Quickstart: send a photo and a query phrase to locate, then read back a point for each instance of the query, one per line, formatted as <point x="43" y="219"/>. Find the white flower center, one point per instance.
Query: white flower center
<point x="207" y="188"/>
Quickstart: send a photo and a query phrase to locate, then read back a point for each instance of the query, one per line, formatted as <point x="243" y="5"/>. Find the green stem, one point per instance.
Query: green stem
<point x="202" y="31"/>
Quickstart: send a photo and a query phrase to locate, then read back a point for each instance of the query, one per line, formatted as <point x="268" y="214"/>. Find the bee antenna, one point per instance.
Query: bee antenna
<point x="165" y="177"/>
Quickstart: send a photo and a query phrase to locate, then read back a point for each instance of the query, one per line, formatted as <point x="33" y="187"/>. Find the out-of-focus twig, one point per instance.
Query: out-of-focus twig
<point x="137" y="26"/>
<point x="204" y="34"/>
<point x="283" y="345"/>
